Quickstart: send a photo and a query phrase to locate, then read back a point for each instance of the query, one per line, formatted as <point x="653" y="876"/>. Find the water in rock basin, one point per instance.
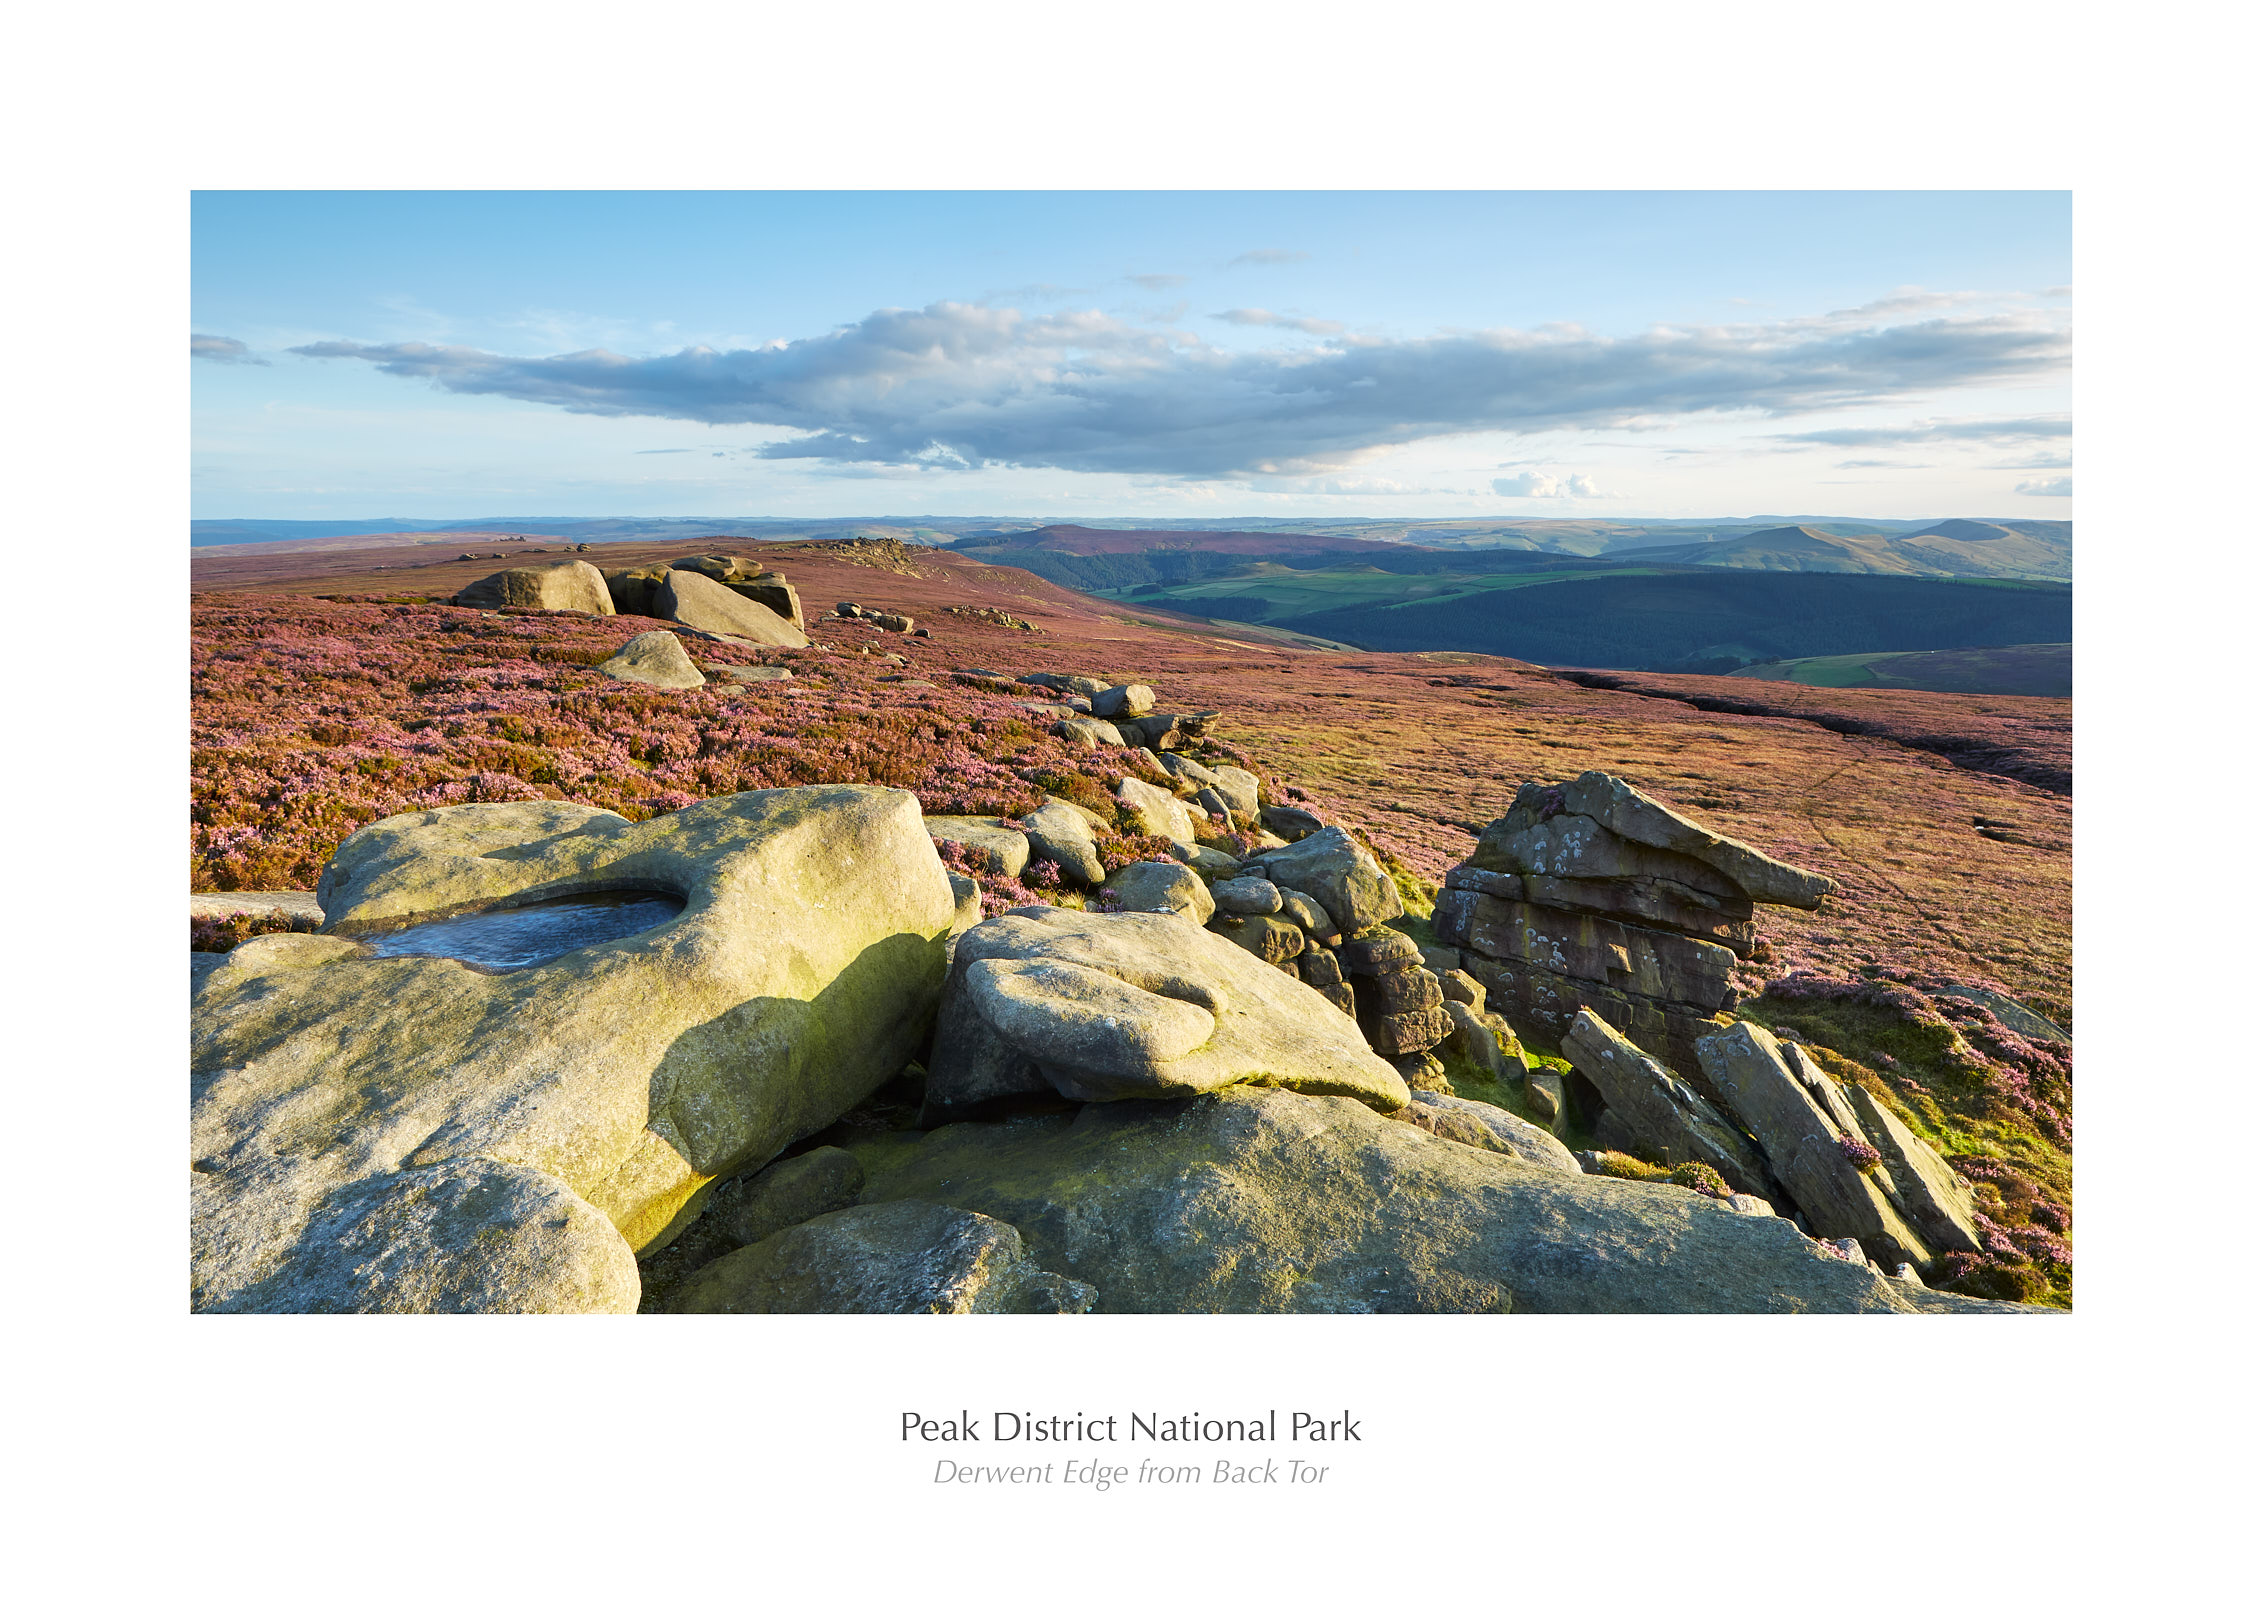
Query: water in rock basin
<point x="527" y="936"/>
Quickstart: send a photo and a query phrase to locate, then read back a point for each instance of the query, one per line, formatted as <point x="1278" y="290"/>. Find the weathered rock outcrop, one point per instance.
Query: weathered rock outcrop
<point x="1246" y="897"/>
<point x="1484" y="1127"/>
<point x="1062" y="834"/>
<point x="1935" y="1197"/>
<point x="904" y="1257"/>
<point x="1800" y="1116"/>
<point x="1248" y="1200"/>
<point x="1124" y="700"/>
<point x="560" y="586"/>
<point x="1066" y="682"/>
<point x="1053" y="1002"/>
<point x="799" y="977"/>
<point x="463" y="1235"/>
<point x="1399" y="1003"/>
<point x="987" y="842"/>
<point x="1290" y="822"/>
<point x="1090" y="732"/>
<point x="635" y="589"/>
<point x="1670" y="1122"/>
<point x="750" y="581"/>
<point x="1487" y="1047"/>
<point x="702" y="603"/>
<point x="1164" y="886"/>
<point x="1159" y="812"/>
<point x="657" y="659"/>
<point x="1239" y="788"/>
<point x="750" y="1209"/>
<point x="1591" y="895"/>
<point x="1337" y="871"/>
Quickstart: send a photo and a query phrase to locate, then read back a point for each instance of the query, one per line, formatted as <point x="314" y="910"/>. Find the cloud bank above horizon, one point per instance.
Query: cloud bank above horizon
<point x="956" y="386"/>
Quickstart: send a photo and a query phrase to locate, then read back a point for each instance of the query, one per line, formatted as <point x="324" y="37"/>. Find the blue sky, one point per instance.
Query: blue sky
<point x="1449" y="355"/>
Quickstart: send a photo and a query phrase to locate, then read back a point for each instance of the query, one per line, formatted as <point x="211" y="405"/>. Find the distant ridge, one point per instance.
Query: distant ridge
<point x="1564" y="536"/>
<point x="1960" y="547"/>
<point x="1075" y="539"/>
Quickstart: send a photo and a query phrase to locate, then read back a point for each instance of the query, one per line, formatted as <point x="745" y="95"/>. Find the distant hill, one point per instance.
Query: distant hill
<point x="1563" y="536"/>
<point x="1114" y="561"/>
<point x="1070" y="538"/>
<point x="1995" y="549"/>
<point x="597" y="530"/>
<point x="1639" y="618"/>
<point x="1795" y="549"/>
<point x="1960" y="548"/>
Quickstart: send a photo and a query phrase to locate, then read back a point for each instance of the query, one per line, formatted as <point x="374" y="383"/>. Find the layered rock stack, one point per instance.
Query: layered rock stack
<point x="749" y="580"/>
<point x="1121" y="714"/>
<point x="1592" y="895"/>
<point x="1316" y="909"/>
<point x="728" y="596"/>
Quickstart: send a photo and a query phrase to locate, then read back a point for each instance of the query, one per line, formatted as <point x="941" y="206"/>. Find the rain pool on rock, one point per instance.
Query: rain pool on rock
<point x="526" y="936"/>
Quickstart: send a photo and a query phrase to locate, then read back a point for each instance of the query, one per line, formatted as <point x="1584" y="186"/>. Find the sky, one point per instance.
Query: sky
<point x="1559" y="354"/>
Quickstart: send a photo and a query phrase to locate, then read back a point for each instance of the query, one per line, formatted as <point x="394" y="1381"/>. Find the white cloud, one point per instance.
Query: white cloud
<point x="1257" y="317"/>
<point x="1158" y="281"/>
<point x="1087" y="392"/>
<point x="1546" y="486"/>
<point x="214" y="347"/>
<point x="2044" y="486"/>
<point x="1932" y="431"/>
<point x="1339" y="486"/>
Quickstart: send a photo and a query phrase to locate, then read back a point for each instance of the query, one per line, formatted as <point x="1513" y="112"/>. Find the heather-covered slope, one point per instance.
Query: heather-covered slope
<point x="1944" y="818"/>
<point x="1419" y="749"/>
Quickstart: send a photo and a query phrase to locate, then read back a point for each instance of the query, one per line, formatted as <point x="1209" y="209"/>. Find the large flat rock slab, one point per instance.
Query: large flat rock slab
<point x="1135" y="1005"/>
<point x="904" y="1258"/>
<point x="1523" y="840"/>
<point x="800" y="975"/>
<point x="700" y="602"/>
<point x="1255" y="1200"/>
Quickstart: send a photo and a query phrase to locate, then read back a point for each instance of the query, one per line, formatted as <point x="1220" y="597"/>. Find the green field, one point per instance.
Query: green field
<point x="1288" y="592"/>
<point x="1661" y="618"/>
<point x="1824" y="672"/>
<point x="2029" y="669"/>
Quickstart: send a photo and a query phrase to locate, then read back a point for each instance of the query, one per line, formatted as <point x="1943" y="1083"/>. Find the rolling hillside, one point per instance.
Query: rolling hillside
<point x="1650" y="618"/>
<point x="1959" y="548"/>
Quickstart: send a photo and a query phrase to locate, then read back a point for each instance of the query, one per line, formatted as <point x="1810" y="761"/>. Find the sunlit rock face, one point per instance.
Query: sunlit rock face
<point x="800" y="973"/>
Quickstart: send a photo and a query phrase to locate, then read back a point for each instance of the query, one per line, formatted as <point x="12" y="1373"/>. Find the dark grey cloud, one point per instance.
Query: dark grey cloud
<point x="956" y="384"/>
<point x="1971" y="430"/>
<point x="1270" y="258"/>
<point x="212" y="347"/>
<point x="1258" y="317"/>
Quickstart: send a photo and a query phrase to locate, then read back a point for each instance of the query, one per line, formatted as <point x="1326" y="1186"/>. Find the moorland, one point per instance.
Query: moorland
<point x="330" y="689"/>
